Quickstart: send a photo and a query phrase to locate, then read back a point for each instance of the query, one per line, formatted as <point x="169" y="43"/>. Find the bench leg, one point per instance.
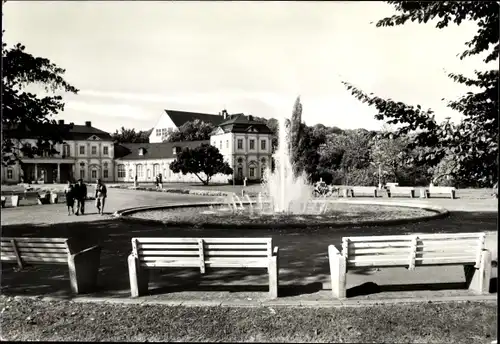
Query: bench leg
<point x="273" y="270"/>
<point x="478" y="280"/>
<point x="83" y="270"/>
<point x="337" y="274"/>
<point x="452" y="194"/>
<point x="139" y="277"/>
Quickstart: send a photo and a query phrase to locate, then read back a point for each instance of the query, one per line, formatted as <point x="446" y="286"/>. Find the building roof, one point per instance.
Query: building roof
<point x="69" y="131"/>
<point x="181" y="117"/>
<point x="239" y="123"/>
<point x="160" y="150"/>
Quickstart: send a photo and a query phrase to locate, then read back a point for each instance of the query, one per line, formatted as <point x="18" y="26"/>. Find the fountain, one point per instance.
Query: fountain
<point x="286" y="199"/>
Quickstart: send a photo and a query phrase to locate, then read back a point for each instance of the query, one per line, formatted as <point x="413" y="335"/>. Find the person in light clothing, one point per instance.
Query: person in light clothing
<point x="100" y="196"/>
<point x="69" y="190"/>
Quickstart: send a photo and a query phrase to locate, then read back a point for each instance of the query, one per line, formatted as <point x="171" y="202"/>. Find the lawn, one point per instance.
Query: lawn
<point x="451" y="322"/>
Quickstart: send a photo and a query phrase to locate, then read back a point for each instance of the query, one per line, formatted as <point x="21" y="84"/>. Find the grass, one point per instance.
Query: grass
<point x="452" y="322"/>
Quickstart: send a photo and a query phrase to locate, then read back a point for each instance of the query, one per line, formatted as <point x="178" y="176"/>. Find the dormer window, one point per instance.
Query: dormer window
<point x="141" y="151"/>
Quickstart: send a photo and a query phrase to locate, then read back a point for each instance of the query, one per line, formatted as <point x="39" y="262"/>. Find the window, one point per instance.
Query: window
<point x="262" y="171"/>
<point x="163" y="131"/>
<point x="263" y="144"/>
<point x="93" y="150"/>
<point x="240" y="160"/>
<point x="252" y="171"/>
<point x="93" y="174"/>
<point x="105" y="174"/>
<point x="240" y="143"/>
<point x="252" y="144"/>
<point x="105" y="150"/>
<point x="149" y="173"/>
<point x="156" y="169"/>
<point x="105" y="165"/>
<point x="129" y="173"/>
<point x="138" y="171"/>
<point x="82" y="150"/>
<point x="227" y="143"/>
<point x="158" y="132"/>
<point x="10" y="174"/>
<point x="240" y="172"/>
<point x="82" y="174"/>
<point x="121" y="171"/>
<point x="66" y="151"/>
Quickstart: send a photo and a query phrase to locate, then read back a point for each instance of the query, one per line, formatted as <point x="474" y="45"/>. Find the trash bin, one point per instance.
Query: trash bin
<point x="54" y="198"/>
<point x="15" y="200"/>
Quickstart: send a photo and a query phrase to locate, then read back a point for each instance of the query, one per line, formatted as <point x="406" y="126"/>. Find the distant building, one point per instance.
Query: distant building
<point x="86" y="153"/>
<point x="89" y="153"/>
<point x="172" y="119"/>
<point x="245" y="145"/>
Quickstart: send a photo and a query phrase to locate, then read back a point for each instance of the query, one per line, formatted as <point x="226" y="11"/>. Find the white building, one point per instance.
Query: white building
<point x="86" y="153"/>
<point x="173" y="119"/>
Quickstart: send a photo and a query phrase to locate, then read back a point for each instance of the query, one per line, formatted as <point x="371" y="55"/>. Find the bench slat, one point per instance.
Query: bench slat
<point x="213" y="253"/>
<point x="35" y="240"/>
<point x="31" y="259"/>
<point x="206" y="240"/>
<point x="26" y="250"/>
<point x="380" y="245"/>
<point x="378" y="251"/>
<point x="207" y="246"/>
<point x="193" y="246"/>
<point x="170" y="253"/>
<point x="408" y="237"/>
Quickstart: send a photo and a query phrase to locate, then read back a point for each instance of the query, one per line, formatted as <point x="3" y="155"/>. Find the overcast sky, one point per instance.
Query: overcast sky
<point x="131" y="60"/>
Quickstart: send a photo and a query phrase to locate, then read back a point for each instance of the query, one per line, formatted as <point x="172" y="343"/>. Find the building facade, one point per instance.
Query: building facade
<point x="86" y="153"/>
<point x="89" y="153"/>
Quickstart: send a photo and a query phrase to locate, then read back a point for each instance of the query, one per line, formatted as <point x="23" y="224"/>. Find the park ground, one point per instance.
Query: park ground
<point x="304" y="278"/>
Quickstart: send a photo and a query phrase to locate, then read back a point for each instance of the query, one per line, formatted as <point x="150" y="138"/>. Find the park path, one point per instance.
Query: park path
<point x="117" y="199"/>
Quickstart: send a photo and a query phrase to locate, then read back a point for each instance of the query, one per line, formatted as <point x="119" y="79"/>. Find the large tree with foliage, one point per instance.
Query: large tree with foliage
<point x="26" y="114"/>
<point x="191" y="131"/>
<point x="204" y="162"/>
<point x="474" y="141"/>
<point x="131" y="136"/>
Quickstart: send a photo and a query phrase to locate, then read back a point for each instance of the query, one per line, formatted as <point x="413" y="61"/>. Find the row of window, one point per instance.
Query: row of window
<point x="161" y="132"/>
<point x="93" y="150"/>
<point x="93" y="174"/>
<point x="139" y="171"/>
<point x="240" y="144"/>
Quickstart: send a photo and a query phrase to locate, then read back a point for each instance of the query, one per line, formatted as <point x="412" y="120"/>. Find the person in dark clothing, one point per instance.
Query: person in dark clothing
<point x="100" y="196"/>
<point x="80" y="196"/>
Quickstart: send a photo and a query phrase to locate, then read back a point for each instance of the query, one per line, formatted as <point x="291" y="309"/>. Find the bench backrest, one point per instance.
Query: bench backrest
<point x="401" y="188"/>
<point x="35" y="250"/>
<point x="194" y="252"/>
<point x="444" y="189"/>
<point x="413" y="250"/>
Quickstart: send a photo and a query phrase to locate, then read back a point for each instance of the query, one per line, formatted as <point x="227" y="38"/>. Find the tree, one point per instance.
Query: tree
<point x="25" y="114"/>
<point x="204" y="159"/>
<point x="474" y="141"/>
<point x="191" y="131"/>
<point x="131" y="136"/>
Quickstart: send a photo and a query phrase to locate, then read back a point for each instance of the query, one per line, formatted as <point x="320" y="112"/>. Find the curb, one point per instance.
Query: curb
<point x="438" y="213"/>
<point x="264" y="303"/>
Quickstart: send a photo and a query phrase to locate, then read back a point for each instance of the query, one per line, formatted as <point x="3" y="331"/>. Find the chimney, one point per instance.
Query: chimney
<point x="88" y="123"/>
<point x="224" y="114"/>
<point x="250" y="118"/>
<point x="61" y="121"/>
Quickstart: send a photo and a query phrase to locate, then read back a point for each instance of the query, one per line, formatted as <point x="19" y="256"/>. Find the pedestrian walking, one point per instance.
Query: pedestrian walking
<point x="160" y="181"/>
<point x="101" y="193"/>
<point x="69" y="191"/>
<point x="80" y="196"/>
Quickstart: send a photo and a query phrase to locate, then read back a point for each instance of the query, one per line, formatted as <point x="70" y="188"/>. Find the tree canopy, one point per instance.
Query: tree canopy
<point x="25" y="113"/>
<point x="473" y="141"/>
<point x="204" y="162"/>
<point x="131" y="136"/>
<point x="191" y="131"/>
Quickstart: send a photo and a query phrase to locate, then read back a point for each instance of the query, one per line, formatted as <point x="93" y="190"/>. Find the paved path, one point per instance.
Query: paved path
<point x="304" y="269"/>
<point x="118" y="199"/>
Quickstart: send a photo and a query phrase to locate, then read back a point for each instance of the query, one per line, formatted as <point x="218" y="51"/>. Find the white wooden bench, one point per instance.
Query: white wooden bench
<point x="202" y="253"/>
<point x="364" y="190"/>
<point x="439" y="190"/>
<point x="401" y="190"/>
<point x="412" y="251"/>
<point x="83" y="264"/>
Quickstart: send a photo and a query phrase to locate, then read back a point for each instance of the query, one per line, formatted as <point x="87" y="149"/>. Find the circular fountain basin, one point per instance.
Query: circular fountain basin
<point x="337" y="214"/>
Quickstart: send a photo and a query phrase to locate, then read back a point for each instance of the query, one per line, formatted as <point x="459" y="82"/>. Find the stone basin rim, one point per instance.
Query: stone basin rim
<point x="435" y="213"/>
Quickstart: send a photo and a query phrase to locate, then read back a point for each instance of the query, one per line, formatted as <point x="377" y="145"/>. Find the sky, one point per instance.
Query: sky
<point x="131" y="60"/>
